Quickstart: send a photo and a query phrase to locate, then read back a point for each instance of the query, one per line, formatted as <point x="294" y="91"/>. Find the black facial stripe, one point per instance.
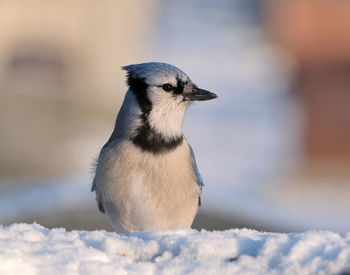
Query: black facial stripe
<point x="179" y="87"/>
<point x="149" y="140"/>
<point x="139" y="87"/>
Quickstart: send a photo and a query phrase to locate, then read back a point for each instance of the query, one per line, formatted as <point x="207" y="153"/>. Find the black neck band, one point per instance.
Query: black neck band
<point x="147" y="138"/>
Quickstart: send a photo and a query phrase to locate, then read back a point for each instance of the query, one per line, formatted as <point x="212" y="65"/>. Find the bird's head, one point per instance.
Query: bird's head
<point x="164" y="83"/>
<point x="163" y="93"/>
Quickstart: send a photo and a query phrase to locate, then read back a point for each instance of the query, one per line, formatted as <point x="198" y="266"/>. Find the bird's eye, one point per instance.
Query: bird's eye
<point x="167" y="87"/>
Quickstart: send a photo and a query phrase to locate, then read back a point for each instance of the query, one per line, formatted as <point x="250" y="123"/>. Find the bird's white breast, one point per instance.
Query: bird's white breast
<point x="143" y="191"/>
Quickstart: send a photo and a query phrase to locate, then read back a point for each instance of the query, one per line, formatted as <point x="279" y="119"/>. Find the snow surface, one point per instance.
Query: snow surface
<point x="33" y="249"/>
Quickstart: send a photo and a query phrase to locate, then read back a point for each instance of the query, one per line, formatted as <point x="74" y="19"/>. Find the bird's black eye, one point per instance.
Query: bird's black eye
<point x="167" y="87"/>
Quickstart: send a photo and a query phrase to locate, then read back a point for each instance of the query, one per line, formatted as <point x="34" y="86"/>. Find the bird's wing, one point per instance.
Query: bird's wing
<point x="99" y="159"/>
<point x="199" y="178"/>
<point x="95" y="180"/>
<point x="98" y="198"/>
<point x="93" y="186"/>
<point x="93" y="169"/>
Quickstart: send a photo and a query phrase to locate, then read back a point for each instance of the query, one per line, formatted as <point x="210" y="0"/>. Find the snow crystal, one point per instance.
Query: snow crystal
<point x="33" y="249"/>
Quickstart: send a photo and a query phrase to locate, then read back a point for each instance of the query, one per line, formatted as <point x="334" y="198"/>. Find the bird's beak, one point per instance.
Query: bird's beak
<point x="196" y="94"/>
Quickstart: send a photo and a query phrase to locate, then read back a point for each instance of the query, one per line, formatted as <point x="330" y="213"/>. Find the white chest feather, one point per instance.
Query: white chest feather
<point x="142" y="191"/>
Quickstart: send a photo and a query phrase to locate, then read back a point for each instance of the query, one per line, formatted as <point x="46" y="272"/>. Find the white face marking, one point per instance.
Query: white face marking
<point x="167" y="113"/>
<point x="168" y="109"/>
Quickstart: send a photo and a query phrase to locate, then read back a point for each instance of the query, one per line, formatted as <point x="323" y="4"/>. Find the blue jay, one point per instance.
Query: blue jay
<point x="146" y="175"/>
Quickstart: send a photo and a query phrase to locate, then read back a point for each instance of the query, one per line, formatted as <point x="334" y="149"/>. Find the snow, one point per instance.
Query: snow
<point x="33" y="249"/>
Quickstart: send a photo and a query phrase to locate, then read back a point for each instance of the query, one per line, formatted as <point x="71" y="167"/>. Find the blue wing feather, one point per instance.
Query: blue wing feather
<point x="195" y="169"/>
<point x="199" y="178"/>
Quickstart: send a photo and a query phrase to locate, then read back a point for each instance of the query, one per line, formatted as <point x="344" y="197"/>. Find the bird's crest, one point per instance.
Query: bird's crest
<point x="154" y="72"/>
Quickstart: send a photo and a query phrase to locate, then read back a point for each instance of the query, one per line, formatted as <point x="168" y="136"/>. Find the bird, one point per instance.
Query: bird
<point x="146" y="176"/>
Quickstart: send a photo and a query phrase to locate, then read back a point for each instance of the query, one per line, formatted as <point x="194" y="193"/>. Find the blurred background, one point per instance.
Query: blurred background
<point x="274" y="149"/>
